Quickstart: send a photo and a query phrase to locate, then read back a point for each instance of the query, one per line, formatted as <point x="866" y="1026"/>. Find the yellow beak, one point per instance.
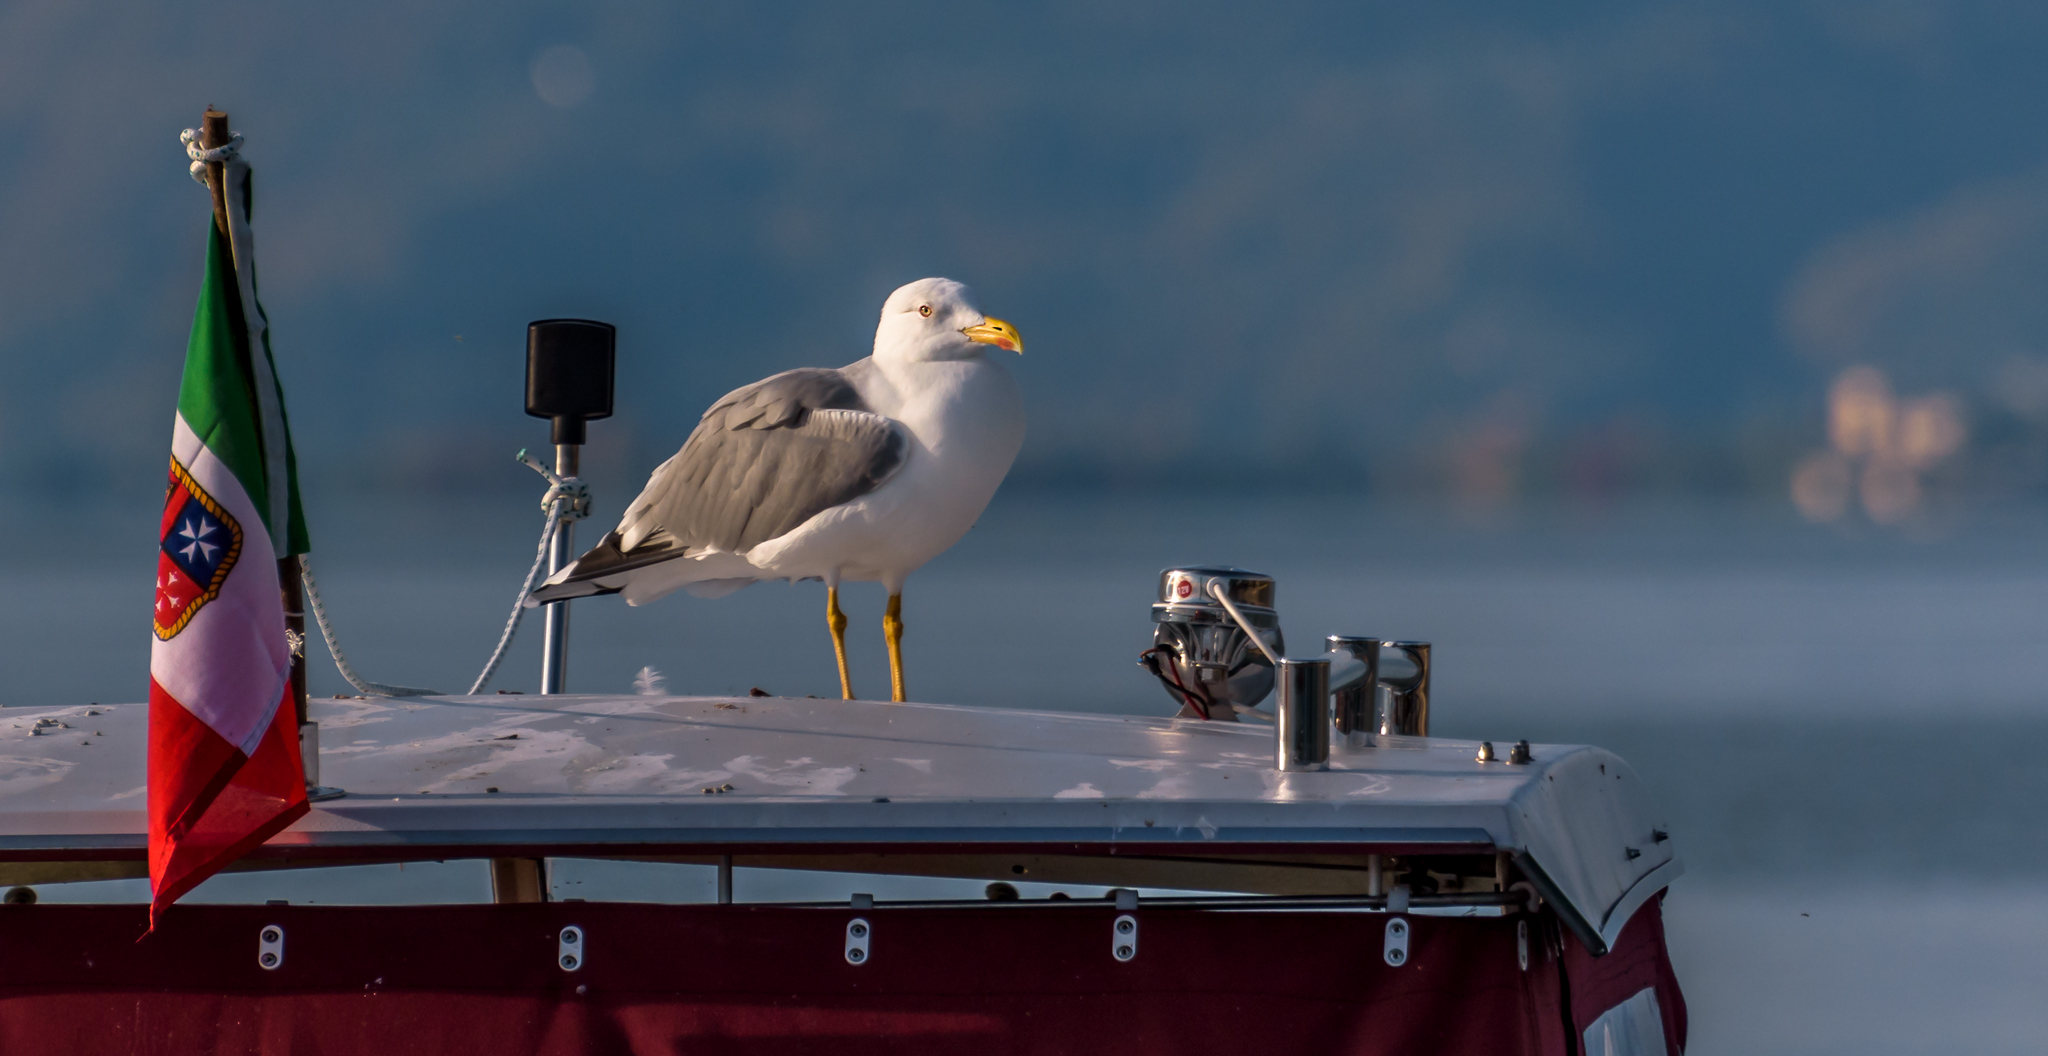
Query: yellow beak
<point x="995" y="332"/>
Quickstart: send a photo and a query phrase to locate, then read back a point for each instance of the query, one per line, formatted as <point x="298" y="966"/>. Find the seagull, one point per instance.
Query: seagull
<point x="858" y="475"/>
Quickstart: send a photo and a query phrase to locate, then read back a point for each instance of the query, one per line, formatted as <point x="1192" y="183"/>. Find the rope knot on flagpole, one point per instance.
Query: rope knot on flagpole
<point x="201" y="156"/>
<point x="572" y="492"/>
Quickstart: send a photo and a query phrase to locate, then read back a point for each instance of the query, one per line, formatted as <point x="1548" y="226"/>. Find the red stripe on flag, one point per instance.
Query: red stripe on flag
<point x="208" y="803"/>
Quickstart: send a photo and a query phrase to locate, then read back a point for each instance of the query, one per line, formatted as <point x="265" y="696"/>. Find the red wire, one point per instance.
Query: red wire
<point x="1201" y="705"/>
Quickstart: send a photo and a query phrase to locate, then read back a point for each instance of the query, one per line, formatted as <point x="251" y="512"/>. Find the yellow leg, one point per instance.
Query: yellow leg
<point x="892" y="629"/>
<point x="837" y="621"/>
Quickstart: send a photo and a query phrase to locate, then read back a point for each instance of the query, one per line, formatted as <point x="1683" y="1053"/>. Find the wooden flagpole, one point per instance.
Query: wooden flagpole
<point x="213" y="132"/>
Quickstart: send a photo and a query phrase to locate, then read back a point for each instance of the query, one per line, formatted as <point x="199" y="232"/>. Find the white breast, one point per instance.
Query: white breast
<point x="966" y="420"/>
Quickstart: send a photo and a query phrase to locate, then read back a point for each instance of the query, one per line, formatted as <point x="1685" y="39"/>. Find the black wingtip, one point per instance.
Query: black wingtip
<point x="605" y="560"/>
<point x="565" y="591"/>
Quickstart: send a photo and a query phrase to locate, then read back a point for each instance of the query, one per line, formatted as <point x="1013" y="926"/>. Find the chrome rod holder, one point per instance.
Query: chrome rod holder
<point x="1302" y="714"/>
<point x="1352" y="707"/>
<point x="1403" y="689"/>
<point x="1301" y="693"/>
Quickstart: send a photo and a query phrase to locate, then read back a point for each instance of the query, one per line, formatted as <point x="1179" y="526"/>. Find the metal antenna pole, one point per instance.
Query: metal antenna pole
<point x="568" y="381"/>
<point x="554" y="656"/>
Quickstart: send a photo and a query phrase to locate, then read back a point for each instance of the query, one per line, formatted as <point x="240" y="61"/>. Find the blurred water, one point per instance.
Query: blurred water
<point x="1855" y="967"/>
<point x="1633" y="613"/>
<point x="1840" y="723"/>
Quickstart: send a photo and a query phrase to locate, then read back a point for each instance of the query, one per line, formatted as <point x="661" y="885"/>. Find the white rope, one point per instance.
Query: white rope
<point x="201" y="156"/>
<point x="540" y="560"/>
<point x="363" y="685"/>
<point x="567" y="499"/>
<point x="570" y="488"/>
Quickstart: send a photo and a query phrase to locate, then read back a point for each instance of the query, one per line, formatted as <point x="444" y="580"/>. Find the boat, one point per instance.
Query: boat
<point x="1403" y="893"/>
<point x="1324" y="877"/>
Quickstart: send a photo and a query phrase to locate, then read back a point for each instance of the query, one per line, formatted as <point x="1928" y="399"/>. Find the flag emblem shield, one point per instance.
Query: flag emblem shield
<point x="200" y="544"/>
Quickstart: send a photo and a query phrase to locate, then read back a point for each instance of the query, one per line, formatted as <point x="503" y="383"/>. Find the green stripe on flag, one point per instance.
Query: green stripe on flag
<point x="217" y="397"/>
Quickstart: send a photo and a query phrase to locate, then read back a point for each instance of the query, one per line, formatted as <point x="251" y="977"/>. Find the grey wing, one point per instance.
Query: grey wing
<point x="763" y="460"/>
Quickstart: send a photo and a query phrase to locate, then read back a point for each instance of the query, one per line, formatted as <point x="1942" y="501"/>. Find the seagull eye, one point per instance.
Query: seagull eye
<point x="925" y="310"/>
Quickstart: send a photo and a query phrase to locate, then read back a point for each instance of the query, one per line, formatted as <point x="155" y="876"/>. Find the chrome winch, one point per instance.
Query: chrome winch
<point x="1218" y="650"/>
<point x="1207" y="662"/>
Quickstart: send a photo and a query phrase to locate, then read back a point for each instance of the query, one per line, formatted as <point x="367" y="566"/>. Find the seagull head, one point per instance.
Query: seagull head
<point x="935" y="319"/>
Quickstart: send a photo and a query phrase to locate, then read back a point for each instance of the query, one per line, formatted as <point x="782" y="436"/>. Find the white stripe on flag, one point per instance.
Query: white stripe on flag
<point x="230" y="664"/>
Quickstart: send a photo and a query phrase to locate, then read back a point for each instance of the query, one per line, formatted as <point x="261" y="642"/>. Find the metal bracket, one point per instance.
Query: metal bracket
<point x="569" y="953"/>
<point x="1396" y="949"/>
<point x="270" y="947"/>
<point x="1522" y="944"/>
<point x="1123" y="937"/>
<point x="309" y="757"/>
<point x="857" y="935"/>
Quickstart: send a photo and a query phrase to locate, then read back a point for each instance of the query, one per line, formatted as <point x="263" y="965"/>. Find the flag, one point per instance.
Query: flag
<point x="224" y="766"/>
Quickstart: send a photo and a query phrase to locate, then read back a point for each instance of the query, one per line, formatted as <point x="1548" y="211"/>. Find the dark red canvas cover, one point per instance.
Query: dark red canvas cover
<point x="1637" y="960"/>
<point x="697" y="979"/>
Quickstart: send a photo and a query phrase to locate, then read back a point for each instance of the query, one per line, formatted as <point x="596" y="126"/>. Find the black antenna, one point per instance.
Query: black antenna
<point x="568" y="381"/>
<point x="569" y="373"/>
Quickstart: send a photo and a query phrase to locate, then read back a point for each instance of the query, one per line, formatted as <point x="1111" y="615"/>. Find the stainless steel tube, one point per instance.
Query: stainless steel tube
<point x="1404" y="696"/>
<point x="1302" y="714"/>
<point x="554" y="656"/>
<point x="1353" y="706"/>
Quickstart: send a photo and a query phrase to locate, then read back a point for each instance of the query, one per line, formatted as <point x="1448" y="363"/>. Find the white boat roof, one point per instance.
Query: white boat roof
<point x="626" y="776"/>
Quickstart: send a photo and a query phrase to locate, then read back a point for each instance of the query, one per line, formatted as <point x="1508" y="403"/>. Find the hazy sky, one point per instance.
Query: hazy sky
<point x="1409" y="244"/>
